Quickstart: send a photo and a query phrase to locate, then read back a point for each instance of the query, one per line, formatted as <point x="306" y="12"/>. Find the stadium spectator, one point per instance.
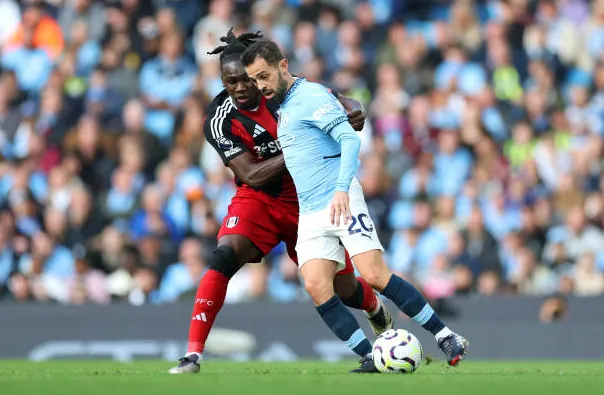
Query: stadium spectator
<point x="481" y="157"/>
<point x="182" y="277"/>
<point x="165" y="82"/>
<point x="90" y="13"/>
<point x="37" y="29"/>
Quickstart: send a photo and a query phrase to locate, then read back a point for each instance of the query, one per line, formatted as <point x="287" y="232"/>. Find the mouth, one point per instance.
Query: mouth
<point x="242" y="99"/>
<point x="269" y="94"/>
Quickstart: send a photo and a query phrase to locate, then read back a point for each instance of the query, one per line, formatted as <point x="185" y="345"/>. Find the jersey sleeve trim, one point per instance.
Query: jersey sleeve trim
<point x="218" y="130"/>
<point x="328" y="128"/>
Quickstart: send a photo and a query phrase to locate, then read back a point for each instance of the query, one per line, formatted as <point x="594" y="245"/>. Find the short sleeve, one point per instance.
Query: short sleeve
<point x="223" y="136"/>
<point x="324" y="111"/>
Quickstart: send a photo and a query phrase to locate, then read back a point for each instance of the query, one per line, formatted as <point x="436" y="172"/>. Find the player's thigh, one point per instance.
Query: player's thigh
<point x="360" y="239"/>
<point x="286" y="218"/>
<point x="244" y="248"/>
<point x="317" y="241"/>
<point x="248" y="218"/>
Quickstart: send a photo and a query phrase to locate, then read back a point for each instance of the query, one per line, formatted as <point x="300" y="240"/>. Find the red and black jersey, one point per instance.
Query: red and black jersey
<point x="232" y="132"/>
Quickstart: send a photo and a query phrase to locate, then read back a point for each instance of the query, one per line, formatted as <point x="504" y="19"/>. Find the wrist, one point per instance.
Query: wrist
<point x="342" y="187"/>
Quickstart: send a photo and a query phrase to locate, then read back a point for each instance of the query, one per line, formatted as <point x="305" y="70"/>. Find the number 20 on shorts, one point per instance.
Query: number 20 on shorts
<point x="359" y="223"/>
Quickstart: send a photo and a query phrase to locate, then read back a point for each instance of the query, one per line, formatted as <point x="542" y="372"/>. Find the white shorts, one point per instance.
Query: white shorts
<point x="319" y="239"/>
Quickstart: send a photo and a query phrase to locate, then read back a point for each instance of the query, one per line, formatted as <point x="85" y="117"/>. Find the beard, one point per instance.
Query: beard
<point x="281" y="90"/>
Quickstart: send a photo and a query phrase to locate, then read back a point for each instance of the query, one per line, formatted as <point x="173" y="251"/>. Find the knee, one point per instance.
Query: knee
<point x="224" y="260"/>
<point x="377" y="276"/>
<point x="319" y="290"/>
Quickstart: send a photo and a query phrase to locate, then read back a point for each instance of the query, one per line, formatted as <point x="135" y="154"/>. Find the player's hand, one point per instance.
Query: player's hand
<point x="356" y="119"/>
<point x="340" y="208"/>
<point x="355" y="112"/>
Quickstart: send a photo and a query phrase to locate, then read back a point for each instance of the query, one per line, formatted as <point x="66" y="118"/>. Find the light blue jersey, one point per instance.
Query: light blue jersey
<point x="320" y="147"/>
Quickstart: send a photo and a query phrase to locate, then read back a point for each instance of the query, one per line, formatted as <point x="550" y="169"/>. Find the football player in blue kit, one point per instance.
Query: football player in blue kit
<point x="321" y="153"/>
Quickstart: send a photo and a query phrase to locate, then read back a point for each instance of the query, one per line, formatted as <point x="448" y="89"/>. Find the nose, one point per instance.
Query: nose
<point x="240" y="87"/>
<point x="261" y="86"/>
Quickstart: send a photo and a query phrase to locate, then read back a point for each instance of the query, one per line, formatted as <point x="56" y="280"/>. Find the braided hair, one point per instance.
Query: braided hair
<point x="234" y="45"/>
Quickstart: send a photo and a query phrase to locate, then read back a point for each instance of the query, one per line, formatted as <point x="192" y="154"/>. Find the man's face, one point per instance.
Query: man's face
<point x="268" y="78"/>
<point x="171" y="46"/>
<point x="239" y="86"/>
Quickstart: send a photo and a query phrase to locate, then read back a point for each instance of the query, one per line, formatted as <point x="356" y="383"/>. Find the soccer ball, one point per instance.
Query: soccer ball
<point x="397" y="351"/>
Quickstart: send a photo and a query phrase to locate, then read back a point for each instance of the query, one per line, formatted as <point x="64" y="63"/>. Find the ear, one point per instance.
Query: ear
<point x="283" y="66"/>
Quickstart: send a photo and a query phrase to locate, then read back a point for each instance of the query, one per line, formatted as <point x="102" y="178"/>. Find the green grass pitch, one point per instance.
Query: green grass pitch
<point x="292" y="378"/>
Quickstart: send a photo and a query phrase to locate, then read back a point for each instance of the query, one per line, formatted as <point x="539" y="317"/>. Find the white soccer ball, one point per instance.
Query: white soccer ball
<point x="397" y="351"/>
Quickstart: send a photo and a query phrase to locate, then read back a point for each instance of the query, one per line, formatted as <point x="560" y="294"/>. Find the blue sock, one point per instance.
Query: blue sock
<point x="341" y="322"/>
<point x="412" y="303"/>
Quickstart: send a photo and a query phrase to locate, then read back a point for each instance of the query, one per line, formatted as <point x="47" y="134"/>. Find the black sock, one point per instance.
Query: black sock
<point x="412" y="303"/>
<point x="343" y="324"/>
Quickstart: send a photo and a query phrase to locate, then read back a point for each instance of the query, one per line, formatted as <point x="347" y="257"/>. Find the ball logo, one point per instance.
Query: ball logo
<point x="232" y="222"/>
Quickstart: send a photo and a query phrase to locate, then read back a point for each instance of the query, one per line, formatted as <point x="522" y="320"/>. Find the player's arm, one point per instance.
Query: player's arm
<point x="350" y="145"/>
<point x="257" y="174"/>
<point x="331" y="118"/>
<point x="224" y="138"/>
<point x="354" y="110"/>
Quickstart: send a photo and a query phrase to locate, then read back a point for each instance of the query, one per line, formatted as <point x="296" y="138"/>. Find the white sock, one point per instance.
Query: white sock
<point x="444" y="332"/>
<point x="199" y="356"/>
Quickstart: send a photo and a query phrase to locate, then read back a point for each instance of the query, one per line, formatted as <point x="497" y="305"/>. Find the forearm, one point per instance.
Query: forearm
<point x="350" y="145"/>
<point x="265" y="172"/>
<point x="348" y="103"/>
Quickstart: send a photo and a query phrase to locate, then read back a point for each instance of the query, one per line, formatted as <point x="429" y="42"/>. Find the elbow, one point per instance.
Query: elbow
<point x="351" y="142"/>
<point x="254" y="183"/>
<point x="251" y="179"/>
<point x="350" y="138"/>
<point x="247" y="178"/>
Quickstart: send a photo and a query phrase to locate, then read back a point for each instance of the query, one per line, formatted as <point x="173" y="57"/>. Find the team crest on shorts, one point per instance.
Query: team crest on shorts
<point x="232" y="222"/>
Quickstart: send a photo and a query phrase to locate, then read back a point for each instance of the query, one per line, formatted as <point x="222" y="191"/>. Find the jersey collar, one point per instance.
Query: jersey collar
<point x="297" y="82"/>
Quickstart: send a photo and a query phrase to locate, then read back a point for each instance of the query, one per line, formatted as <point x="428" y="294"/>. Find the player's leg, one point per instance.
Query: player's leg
<point x="360" y="239"/>
<point x="353" y="292"/>
<point x="411" y="302"/>
<point x="232" y="253"/>
<point x="319" y="258"/>
<point x="356" y="293"/>
<point x="318" y="277"/>
<point x="244" y="237"/>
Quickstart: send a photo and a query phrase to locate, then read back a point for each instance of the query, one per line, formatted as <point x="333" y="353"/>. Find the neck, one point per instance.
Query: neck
<point x="289" y="79"/>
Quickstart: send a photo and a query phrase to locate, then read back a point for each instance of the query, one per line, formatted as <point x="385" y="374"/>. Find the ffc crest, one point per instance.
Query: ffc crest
<point x="232" y="222"/>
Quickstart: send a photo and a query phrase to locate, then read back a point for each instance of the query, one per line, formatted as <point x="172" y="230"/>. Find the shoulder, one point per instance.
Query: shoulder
<point x="309" y="98"/>
<point x="316" y="90"/>
<point x="219" y="113"/>
<point x="219" y="101"/>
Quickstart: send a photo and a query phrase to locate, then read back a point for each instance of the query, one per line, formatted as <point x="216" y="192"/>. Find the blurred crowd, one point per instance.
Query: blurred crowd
<point x="481" y="160"/>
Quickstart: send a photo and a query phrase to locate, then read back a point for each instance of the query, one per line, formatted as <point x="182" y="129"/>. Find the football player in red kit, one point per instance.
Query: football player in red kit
<point x="242" y="127"/>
